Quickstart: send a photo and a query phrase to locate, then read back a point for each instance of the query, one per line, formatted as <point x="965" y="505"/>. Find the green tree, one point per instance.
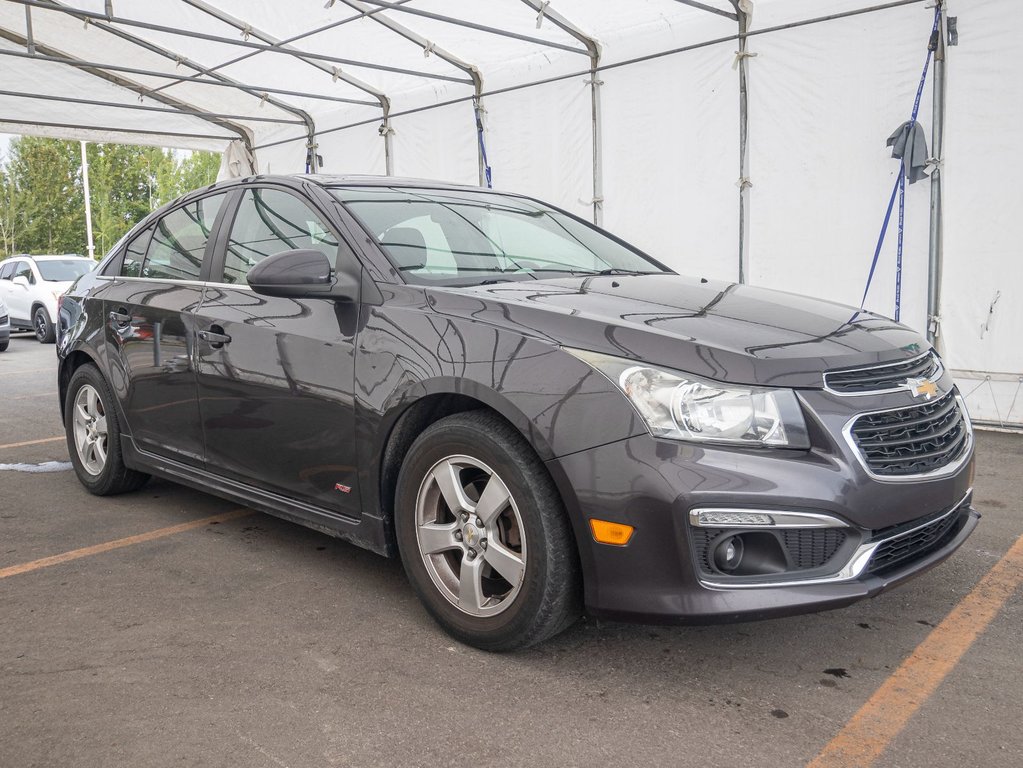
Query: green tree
<point x="42" y="208"/>
<point x="45" y="191"/>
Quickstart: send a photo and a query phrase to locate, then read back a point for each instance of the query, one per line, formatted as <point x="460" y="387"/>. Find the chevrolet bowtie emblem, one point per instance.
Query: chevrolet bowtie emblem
<point x="924" y="388"/>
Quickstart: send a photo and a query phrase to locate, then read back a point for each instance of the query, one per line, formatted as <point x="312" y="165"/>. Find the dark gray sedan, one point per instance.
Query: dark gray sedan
<point x="535" y="416"/>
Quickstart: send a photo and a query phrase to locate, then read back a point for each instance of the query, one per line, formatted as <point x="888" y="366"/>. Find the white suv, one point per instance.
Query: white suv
<point x="5" y="326"/>
<point x="31" y="286"/>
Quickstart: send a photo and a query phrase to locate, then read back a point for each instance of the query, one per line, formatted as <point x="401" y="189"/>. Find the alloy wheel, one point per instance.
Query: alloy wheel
<point x="90" y="427"/>
<point x="470" y="536"/>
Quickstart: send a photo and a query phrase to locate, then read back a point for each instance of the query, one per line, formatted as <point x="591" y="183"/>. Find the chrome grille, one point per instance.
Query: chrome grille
<point x="882" y="378"/>
<point x="914" y="440"/>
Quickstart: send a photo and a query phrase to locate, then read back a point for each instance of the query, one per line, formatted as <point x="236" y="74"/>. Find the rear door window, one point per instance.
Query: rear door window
<point x="178" y="244"/>
<point x="7" y="271"/>
<point x="268" y="222"/>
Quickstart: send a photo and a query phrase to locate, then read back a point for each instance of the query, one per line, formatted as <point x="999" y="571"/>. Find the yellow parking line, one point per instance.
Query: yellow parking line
<point x="886" y="713"/>
<point x="33" y="442"/>
<point x="159" y="533"/>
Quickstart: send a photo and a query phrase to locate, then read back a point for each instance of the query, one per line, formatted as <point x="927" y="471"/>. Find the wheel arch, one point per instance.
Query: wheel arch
<point x="414" y="411"/>
<point x="70" y="363"/>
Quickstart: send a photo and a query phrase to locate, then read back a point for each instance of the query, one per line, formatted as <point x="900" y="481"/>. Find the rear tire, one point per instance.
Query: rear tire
<point x="43" y="326"/>
<point x="483" y="535"/>
<point x="94" y="436"/>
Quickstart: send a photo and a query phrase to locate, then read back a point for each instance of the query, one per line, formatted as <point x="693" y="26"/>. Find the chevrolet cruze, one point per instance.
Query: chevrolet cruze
<point x="536" y="417"/>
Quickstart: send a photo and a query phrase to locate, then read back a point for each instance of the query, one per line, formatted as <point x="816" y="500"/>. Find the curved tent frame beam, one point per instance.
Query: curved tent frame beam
<point x="135" y="88"/>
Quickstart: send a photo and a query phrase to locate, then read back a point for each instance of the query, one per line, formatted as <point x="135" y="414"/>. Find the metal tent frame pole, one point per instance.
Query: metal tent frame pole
<point x="88" y="203"/>
<point x="179" y="78"/>
<point x="474" y="73"/>
<point x="935" y="240"/>
<point x="133" y="87"/>
<point x="544" y="11"/>
<point x="742" y="57"/>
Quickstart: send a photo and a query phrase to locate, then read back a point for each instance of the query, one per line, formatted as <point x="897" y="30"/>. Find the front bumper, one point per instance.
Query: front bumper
<point x="654" y="484"/>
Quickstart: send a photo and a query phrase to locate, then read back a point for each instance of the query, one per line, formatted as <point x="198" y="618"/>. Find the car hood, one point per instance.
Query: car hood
<point x="719" y="330"/>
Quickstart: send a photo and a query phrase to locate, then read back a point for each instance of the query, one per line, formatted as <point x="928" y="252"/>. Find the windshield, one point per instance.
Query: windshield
<point x="64" y="270"/>
<point x="458" y="237"/>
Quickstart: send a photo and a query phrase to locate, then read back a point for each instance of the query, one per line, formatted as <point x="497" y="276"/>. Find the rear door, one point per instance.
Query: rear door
<point x="149" y="313"/>
<point x="275" y="375"/>
<point x="6" y="286"/>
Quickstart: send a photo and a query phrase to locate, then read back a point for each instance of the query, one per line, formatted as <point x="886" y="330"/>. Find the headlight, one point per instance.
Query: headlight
<point x="684" y="407"/>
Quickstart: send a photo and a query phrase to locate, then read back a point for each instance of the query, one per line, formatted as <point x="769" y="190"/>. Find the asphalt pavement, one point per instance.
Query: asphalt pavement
<point x="249" y="641"/>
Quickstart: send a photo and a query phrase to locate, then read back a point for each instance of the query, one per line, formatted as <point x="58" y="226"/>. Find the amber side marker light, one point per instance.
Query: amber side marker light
<point x="607" y="532"/>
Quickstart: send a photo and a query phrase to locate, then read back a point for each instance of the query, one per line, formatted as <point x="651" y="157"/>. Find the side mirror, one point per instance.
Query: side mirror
<point x="20" y="280"/>
<point x="301" y="274"/>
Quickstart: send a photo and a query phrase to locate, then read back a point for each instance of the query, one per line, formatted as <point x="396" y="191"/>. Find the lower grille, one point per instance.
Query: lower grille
<point x="916" y="541"/>
<point x="914" y="440"/>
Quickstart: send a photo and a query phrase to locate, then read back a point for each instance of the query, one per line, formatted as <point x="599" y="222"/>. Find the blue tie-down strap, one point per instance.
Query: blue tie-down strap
<point x="483" y="146"/>
<point x="900" y="185"/>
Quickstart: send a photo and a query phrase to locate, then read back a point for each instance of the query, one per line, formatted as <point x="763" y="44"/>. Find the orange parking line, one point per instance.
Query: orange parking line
<point x="159" y="533"/>
<point x="33" y="442"/>
<point x="886" y="713"/>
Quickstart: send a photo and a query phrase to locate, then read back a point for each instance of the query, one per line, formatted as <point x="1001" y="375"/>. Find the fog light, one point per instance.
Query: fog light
<point x="728" y="554"/>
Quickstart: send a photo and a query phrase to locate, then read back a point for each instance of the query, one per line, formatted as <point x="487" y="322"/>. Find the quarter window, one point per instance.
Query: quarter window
<point x="179" y="241"/>
<point x="268" y="222"/>
<point x="135" y="254"/>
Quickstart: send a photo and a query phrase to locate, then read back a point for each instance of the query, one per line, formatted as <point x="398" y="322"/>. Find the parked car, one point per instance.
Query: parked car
<point x="5" y="326"/>
<point x="534" y="415"/>
<point x="31" y="286"/>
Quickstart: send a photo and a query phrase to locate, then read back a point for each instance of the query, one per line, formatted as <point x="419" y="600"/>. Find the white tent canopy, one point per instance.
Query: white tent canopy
<point x="768" y="166"/>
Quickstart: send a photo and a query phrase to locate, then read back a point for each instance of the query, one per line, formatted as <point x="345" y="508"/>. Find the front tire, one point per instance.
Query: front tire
<point x="43" y="326"/>
<point x="483" y="535"/>
<point x="94" y="436"/>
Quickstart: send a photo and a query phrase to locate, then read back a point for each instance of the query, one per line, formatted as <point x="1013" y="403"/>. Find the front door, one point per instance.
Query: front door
<point x="275" y="375"/>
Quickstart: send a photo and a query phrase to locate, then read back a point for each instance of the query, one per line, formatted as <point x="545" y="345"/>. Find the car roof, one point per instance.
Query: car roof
<point x="55" y="257"/>
<point x="340" y="180"/>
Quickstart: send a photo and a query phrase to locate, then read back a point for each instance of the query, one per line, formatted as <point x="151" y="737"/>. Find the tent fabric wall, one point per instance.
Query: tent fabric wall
<point x="823" y="97"/>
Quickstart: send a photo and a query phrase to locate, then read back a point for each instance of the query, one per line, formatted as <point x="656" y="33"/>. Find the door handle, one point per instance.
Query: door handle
<point x="120" y="316"/>
<point x="215" y="337"/>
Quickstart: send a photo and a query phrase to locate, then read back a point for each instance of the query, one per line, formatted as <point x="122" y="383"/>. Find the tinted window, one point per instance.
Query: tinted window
<point x="459" y="237"/>
<point x="135" y="254"/>
<point x="64" y="270"/>
<point x="7" y="271"/>
<point x="179" y="241"/>
<point x="270" y="221"/>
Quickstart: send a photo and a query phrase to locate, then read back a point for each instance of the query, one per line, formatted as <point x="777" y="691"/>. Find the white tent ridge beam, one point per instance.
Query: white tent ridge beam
<point x="469" y="25"/>
<point x="179" y="59"/>
<point x="275" y="45"/>
<point x="93" y="16"/>
<point x="135" y="88"/>
<point x="12" y="123"/>
<point x="593" y="49"/>
<point x="148" y="108"/>
<point x="248" y="29"/>
<point x="476" y="77"/>
<point x="295" y="39"/>
<point x="606" y="67"/>
<point x="709" y="9"/>
<point x="179" y="78"/>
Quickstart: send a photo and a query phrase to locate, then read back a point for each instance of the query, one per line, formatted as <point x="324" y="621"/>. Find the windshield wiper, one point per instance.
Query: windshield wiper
<point x="618" y="271"/>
